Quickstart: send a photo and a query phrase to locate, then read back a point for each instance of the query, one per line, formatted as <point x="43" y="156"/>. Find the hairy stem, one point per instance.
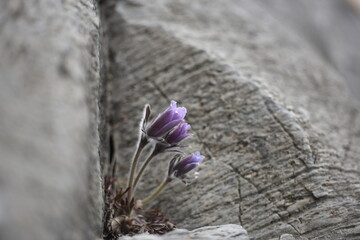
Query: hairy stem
<point x="160" y="188"/>
<point x="145" y="164"/>
<point x="142" y="143"/>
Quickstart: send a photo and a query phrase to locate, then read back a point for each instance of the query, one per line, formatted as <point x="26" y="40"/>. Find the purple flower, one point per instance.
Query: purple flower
<point x="166" y="121"/>
<point x="178" y="134"/>
<point x="179" y="169"/>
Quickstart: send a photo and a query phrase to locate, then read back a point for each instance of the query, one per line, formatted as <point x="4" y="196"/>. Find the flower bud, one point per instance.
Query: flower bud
<point x="178" y="134"/>
<point x="166" y="121"/>
<point x="179" y="168"/>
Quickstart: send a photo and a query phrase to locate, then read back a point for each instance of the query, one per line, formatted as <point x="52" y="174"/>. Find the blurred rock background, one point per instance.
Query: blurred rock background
<point x="332" y="27"/>
<point x="58" y="57"/>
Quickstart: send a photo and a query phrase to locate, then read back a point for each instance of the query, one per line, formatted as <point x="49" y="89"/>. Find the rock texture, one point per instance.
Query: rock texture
<point x="223" y="232"/>
<point x="332" y="27"/>
<point x="275" y="122"/>
<point x="49" y="170"/>
<point x="281" y="137"/>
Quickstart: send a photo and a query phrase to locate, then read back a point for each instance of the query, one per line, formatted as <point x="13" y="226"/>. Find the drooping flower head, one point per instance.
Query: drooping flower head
<point x="178" y="134"/>
<point x="166" y="121"/>
<point x="179" y="168"/>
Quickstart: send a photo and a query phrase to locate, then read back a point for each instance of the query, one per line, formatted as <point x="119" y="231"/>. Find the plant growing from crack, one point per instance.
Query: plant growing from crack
<point x="124" y="213"/>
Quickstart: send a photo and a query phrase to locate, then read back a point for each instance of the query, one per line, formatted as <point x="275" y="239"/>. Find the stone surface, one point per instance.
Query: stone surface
<point x="222" y="232"/>
<point x="275" y="121"/>
<point x="49" y="170"/>
<point x="330" y="26"/>
<point x="280" y="135"/>
<point x="287" y="237"/>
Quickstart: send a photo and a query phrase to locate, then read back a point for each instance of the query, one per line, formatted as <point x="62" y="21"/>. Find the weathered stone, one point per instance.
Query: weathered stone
<point x="273" y="119"/>
<point x="287" y="237"/>
<point x="275" y="122"/>
<point x="50" y="180"/>
<point x="223" y="232"/>
<point x="331" y="27"/>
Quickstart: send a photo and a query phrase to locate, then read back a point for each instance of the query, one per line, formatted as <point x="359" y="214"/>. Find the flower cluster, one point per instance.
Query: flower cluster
<point x="166" y="132"/>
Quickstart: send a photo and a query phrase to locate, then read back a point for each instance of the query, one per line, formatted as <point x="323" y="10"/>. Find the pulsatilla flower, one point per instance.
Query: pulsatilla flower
<point x="166" y="121"/>
<point x="179" y="168"/>
<point x="178" y="134"/>
<point x="124" y="213"/>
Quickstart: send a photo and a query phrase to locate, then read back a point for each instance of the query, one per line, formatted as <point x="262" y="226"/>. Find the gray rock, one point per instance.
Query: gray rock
<point x="222" y="232"/>
<point x="50" y="179"/>
<point x="331" y="27"/>
<point x="275" y="121"/>
<point x="280" y="135"/>
<point x="287" y="237"/>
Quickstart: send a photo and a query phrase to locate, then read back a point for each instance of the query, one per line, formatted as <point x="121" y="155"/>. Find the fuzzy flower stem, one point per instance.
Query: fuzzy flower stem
<point x="145" y="164"/>
<point x="160" y="188"/>
<point x="142" y="143"/>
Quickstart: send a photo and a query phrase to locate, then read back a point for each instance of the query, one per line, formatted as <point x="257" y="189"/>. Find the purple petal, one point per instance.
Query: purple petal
<point x="181" y="137"/>
<point x="186" y="127"/>
<point x="167" y="120"/>
<point x="162" y="131"/>
<point x="159" y="122"/>
<point x="173" y="104"/>
<point x="181" y="172"/>
<point x="180" y="112"/>
<point x="188" y="164"/>
<point x="178" y="134"/>
<point x="183" y="128"/>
